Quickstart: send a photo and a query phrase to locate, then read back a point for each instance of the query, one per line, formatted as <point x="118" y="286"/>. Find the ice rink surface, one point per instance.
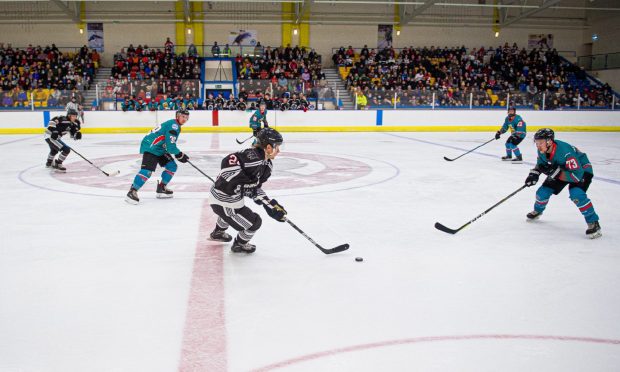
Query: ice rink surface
<point x="90" y="283"/>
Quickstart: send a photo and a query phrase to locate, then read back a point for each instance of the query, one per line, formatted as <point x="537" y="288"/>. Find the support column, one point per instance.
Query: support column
<point x="198" y="26"/>
<point x="180" y="25"/>
<point x="288" y="11"/>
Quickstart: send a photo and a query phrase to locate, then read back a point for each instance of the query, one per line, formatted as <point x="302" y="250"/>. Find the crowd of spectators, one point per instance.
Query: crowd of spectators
<point x="142" y="62"/>
<point x="145" y="79"/>
<point x="411" y="76"/>
<point x="44" y="76"/>
<point x="282" y="70"/>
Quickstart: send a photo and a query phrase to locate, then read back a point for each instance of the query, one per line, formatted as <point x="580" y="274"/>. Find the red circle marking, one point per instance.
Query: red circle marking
<point x="333" y="170"/>
<point x="375" y="345"/>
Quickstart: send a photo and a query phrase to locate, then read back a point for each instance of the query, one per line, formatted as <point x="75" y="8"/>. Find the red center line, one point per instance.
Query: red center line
<point x="204" y="336"/>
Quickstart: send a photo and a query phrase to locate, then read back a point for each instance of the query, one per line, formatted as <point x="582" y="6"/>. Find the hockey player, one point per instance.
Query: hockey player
<point x="564" y="165"/>
<point x="157" y="148"/>
<point x="259" y="116"/>
<point x="243" y="174"/>
<point x="517" y="126"/>
<point x="56" y="128"/>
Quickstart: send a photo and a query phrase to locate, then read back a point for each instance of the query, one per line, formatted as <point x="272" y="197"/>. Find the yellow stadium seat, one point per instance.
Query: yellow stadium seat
<point x="494" y="98"/>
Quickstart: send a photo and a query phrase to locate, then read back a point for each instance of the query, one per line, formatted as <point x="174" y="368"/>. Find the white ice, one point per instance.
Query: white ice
<point x="90" y="283"/>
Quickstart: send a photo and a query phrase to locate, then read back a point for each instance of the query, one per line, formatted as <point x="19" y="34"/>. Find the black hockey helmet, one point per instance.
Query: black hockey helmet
<point x="269" y="136"/>
<point x="512" y="108"/>
<point x="544" y="133"/>
<point x="72" y="112"/>
<point x="182" y="111"/>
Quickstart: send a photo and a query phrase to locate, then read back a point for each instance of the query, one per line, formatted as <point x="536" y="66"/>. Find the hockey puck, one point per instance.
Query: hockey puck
<point x="359" y="259"/>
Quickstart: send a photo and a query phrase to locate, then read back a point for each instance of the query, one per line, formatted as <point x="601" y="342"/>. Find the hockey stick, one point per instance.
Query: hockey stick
<point x="203" y="173"/>
<point x="111" y="174"/>
<point x="340" y="248"/>
<point x="240" y="142"/>
<point x="441" y="227"/>
<point x="448" y="159"/>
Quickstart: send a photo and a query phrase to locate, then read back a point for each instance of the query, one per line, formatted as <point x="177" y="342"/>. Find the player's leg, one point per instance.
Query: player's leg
<point x="149" y="163"/>
<point x="219" y="232"/>
<point x="170" y="167"/>
<point x="245" y="221"/>
<point x="55" y="147"/>
<point x="508" y="150"/>
<point x="515" y="140"/>
<point x="64" y="152"/>
<point x="577" y="193"/>
<point x="543" y="194"/>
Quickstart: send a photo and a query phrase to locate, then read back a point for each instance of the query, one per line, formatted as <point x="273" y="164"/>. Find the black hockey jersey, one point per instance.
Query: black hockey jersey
<point x="242" y="174"/>
<point x="62" y="125"/>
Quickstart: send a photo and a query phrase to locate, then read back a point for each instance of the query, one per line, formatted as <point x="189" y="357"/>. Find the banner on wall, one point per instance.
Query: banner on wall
<point x="384" y="36"/>
<point x="95" y="36"/>
<point x="544" y="41"/>
<point x="243" y="37"/>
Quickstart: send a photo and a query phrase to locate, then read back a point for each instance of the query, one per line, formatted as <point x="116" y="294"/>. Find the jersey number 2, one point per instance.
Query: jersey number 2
<point x="232" y="160"/>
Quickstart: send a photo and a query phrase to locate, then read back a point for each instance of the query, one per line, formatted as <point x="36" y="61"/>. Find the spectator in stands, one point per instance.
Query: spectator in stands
<point x="192" y="51"/>
<point x="215" y="49"/>
<point x="168" y="46"/>
<point x="226" y="52"/>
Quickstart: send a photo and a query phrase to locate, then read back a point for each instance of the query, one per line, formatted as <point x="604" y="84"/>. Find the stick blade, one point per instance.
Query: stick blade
<point x="447" y="159"/>
<point x="239" y="142"/>
<point x="340" y="248"/>
<point x="112" y="174"/>
<point x="445" y="229"/>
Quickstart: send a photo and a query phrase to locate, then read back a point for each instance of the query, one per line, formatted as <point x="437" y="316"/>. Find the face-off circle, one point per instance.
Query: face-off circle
<point x="294" y="173"/>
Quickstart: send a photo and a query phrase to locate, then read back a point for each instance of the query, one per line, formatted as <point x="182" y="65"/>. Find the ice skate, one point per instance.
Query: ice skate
<point x="239" y="247"/>
<point x="162" y="191"/>
<point x="533" y="215"/>
<point x="220" y="236"/>
<point x="132" y="197"/>
<point x="594" y="230"/>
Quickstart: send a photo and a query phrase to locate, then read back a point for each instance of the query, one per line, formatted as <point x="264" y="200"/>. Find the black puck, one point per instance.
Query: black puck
<point x="359" y="259"/>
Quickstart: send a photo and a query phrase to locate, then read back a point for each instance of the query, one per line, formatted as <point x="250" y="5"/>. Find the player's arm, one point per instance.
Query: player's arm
<point x="172" y="135"/>
<point x="75" y="130"/>
<point x="264" y="120"/>
<point x="502" y="130"/>
<point x="571" y="171"/>
<point x="52" y="127"/>
<point x="274" y="209"/>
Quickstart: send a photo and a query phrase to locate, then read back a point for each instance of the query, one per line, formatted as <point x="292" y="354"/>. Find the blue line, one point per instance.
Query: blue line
<point x="379" y="117"/>
<point x="608" y="180"/>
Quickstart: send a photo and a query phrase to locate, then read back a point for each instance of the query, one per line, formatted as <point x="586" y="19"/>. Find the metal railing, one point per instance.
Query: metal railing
<point x="599" y="61"/>
<point x="38" y="99"/>
<point x="208" y="50"/>
<point x="480" y="99"/>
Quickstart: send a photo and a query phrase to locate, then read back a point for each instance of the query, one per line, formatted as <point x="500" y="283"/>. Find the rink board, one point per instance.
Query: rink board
<point x="321" y="121"/>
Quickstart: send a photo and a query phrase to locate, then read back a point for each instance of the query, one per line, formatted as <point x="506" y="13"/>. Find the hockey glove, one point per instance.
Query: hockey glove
<point x="77" y="136"/>
<point x="497" y="134"/>
<point x="54" y="135"/>
<point x="182" y="157"/>
<point x="265" y="124"/>
<point x="532" y="178"/>
<point x="275" y="210"/>
<point x="546" y="168"/>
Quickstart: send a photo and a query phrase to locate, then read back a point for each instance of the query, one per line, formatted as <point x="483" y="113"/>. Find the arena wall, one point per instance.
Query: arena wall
<point x="323" y="121"/>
